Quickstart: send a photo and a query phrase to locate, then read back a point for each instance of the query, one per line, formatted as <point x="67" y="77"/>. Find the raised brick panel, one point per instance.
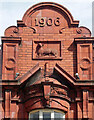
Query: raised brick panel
<point x="7" y="103"/>
<point x="85" y="104"/>
<point x="84" y="61"/>
<point x="10" y="51"/>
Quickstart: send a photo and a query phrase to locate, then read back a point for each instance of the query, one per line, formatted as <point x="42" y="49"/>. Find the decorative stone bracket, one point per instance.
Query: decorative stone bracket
<point x="47" y="92"/>
<point x="49" y="89"/>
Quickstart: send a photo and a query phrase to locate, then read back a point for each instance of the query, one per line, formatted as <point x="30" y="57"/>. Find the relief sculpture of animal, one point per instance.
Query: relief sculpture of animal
<point x="41" y="51"/>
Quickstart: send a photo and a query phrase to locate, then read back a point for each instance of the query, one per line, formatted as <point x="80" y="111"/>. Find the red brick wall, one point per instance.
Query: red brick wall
<point x="52" y="24"/>
<point x="47" y="33"/>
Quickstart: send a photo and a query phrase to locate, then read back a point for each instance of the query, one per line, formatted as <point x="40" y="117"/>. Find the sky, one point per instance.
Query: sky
<point x="13" y="10"/>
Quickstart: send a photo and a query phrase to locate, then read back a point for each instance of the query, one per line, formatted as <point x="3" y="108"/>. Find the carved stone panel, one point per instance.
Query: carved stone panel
<point x="46" y="49"/>
<point x="44" y="22"/>
<point x="84" y="58"/>
<point x="9" y="60"/>
<point x="58" y="91"/>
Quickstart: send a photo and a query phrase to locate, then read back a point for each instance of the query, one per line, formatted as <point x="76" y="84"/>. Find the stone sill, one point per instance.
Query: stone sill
<point x="48" y="58"/>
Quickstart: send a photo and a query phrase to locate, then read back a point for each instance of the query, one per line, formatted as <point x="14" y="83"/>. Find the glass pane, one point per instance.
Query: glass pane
<point x="34" y="116"/>
<point x="58" y="116"/>
<point x="46" y="116"/>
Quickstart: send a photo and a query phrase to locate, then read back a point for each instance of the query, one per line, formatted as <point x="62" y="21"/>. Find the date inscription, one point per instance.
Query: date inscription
<point x="41" y="22"/>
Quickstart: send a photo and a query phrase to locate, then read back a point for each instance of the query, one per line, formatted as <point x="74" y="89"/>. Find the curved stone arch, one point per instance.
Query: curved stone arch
<point x="51" y="5"/>
<point x="37" y="105"/>
<point x="61" y="106"/>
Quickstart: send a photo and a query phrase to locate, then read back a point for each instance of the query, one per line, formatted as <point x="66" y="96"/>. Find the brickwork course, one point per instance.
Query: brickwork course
<point x="47" y="63"/>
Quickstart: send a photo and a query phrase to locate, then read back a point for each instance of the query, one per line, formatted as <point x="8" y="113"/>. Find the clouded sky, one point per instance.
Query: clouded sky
<point x="13" y="10"/>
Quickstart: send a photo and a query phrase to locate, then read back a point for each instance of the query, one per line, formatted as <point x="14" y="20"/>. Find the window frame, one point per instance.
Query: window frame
<point x="47" y="110"/>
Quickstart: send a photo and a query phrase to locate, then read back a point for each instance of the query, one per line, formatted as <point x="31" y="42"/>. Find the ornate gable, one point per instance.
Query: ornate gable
<point x="47" y="63"/>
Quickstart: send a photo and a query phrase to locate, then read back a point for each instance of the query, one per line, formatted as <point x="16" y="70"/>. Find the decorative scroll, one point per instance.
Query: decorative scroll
<point x="83" y="32"/>
<point x="12" y="31"/>
<point x="34" y="30"/>
<point x="79" y="30"/>
<point x="61" y="30"/>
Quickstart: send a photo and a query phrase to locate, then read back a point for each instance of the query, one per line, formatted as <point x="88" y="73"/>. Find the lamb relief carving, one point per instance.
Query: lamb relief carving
<point x="41" y="51"/>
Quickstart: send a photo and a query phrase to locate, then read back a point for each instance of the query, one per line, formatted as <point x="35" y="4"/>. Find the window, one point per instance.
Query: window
<point x="46" y="114"/>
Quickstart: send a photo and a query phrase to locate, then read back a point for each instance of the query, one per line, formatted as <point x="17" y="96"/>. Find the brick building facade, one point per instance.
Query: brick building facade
<point x="47" y="66"/>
